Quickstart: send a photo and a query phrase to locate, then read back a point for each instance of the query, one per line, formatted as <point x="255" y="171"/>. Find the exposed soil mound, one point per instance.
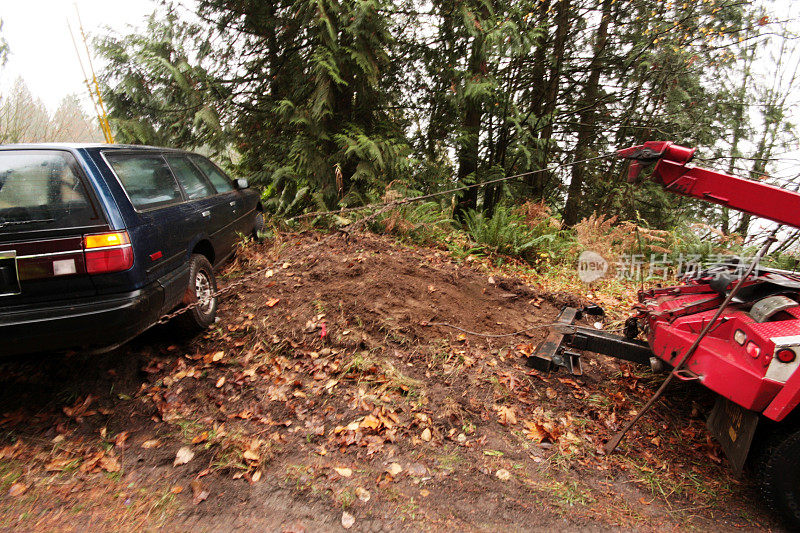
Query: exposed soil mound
<point x="345" y="386"/>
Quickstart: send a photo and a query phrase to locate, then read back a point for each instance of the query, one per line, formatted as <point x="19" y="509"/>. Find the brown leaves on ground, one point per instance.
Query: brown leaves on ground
<point x="377" y="403"/>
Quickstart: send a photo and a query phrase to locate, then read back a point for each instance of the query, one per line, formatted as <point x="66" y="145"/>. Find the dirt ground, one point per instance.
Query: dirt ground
<point x="330" y="396"/>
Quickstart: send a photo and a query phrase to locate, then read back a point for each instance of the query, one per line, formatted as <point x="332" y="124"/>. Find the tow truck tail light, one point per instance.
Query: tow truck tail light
<point x="752" y="350"/>
<point x="785" y="355"/>
<point x="739" y="336"/>
<point x="108" y="252"/>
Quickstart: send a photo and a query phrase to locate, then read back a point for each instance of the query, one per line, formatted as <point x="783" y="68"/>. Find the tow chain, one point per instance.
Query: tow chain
<point x="228" y="288"/>
<point x="220" y="292"/>
<point x="380" y="209"/>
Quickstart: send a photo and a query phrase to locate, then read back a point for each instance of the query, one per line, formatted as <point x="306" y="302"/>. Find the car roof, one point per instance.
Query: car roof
<point x="93" y="146"/>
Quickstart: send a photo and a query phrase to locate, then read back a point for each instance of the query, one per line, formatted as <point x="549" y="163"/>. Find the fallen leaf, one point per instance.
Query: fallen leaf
<point x="348" y="520"/>
<point x="202" y="437"/>
<point x="153" y="443"/>
<point x="256" y="476"/>
<point x="220" y="382"/>
<point x="426" y="435"/>
<point x="58" y="465"/>
<point x="251" y="455"/>
<point x="183" y="456"/>
<point x="344" y="472"/>
<point x="363" y="494"/>
<point x="90" y="463"/>
<point x="119" y="440"/>
<point x="540" y="431"/>
<point x="17" y="489"/>
<point x="506" y="415"/>
<point x="394" y="469"/>
<point x="272" y="302"/>
<point x="370" y="422"/>
<point x="109" y="464"/>
<point x="177" y="489"/>
<point x="503" y="474"/>
<point x="199" y="494"/>
<point x="217" y="356"/>
<point x="550" y="393"/>
<point x="424" y="493"/>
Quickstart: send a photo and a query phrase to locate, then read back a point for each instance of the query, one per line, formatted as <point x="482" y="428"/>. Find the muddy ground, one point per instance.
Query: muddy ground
<point x="334" y="392"/>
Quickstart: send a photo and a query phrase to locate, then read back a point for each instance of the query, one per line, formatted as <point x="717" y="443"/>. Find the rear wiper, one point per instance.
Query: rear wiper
<point x="23" y="222"/>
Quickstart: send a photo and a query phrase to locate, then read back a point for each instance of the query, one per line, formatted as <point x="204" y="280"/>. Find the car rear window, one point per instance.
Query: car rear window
<point x="146" y="179"/>
<point x="42" y="189"/>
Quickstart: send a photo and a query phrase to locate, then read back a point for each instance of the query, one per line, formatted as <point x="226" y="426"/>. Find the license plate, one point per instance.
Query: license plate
<point x="733" y="427"/>
<point x="9" y="276"/>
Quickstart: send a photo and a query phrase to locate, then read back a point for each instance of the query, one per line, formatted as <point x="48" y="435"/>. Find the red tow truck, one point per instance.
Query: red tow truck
<point x="750" y="355"/>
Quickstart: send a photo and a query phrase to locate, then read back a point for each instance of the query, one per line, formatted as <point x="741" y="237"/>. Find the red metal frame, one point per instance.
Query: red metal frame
<point x="675" y="315"/>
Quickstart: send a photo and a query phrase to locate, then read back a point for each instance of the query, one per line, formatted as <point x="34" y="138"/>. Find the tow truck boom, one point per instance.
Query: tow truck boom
<point x="674" y="173"/>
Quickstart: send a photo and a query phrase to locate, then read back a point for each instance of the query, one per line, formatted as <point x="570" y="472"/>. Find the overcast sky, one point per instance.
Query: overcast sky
<point x="41" y="48"/>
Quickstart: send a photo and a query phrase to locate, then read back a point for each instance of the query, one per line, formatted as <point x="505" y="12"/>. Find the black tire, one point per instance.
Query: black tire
<point x="778" y="468"/>
<point x="201" y="282"/>
<point x="258" y="225"/>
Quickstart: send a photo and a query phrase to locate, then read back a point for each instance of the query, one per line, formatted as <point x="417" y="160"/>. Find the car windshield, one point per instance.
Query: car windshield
<point x="41" y="189"/>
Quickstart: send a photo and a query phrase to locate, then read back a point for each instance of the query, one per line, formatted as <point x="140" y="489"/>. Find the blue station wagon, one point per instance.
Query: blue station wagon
<point x="97" y="242"/>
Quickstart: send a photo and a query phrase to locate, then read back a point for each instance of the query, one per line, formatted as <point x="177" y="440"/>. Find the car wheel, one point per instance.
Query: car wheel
<point x="258" y="225"/>
<point x="200" y="291"/>
<point x="779" y="472"/>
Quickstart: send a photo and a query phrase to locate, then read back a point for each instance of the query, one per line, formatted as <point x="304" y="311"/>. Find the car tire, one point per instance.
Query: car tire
<point x="258" y="225"/>
<point x="779" y="471"/>
<point x="202" y="285"/>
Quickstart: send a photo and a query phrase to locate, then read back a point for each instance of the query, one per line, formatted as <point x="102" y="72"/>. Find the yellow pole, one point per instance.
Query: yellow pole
<point x="93" y="85"/>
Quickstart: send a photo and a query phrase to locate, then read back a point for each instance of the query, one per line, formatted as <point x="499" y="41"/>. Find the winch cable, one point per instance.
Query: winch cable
<point x="613" y="443"/>
<point x="410" y="199"/>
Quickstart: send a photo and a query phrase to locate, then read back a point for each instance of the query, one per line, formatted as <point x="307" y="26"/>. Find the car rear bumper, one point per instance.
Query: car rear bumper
<point x="91" y="323"/>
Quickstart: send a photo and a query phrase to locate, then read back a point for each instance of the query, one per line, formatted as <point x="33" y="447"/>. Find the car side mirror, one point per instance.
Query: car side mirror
<point x="241" y="183"/>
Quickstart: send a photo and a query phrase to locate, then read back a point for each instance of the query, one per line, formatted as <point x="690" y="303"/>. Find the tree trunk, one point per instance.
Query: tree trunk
<point x="536" y="182"/>
<point x="587" y="118"/>
<point x="469" y="144"/>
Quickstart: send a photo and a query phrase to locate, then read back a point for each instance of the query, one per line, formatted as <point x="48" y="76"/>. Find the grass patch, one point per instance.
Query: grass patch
<point x="10" y="472"/>
<point x="570" y="493"/>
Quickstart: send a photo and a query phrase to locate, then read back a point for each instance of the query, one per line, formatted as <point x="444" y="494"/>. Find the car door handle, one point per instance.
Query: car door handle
<point x="206" y="214"/>
<point x="233" y="204"/>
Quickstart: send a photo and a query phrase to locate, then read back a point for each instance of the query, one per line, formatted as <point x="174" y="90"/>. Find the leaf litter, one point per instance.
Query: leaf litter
<point x="347" y="371"/>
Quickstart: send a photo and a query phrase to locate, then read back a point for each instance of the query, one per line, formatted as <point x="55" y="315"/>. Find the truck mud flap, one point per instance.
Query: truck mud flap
<point x="733" y="427"/>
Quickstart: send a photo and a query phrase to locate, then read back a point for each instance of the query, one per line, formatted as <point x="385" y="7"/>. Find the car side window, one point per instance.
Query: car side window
<point x="193" y="181"/>
<point x="146" y="178"/>
<point x="221" y="182"/>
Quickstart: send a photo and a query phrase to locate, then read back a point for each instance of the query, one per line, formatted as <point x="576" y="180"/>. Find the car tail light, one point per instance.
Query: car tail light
<point x="752" y="349"/>
<point x="785" y="355"/>
<point x="105" y="240"/>
<point x="108" y="252"/>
